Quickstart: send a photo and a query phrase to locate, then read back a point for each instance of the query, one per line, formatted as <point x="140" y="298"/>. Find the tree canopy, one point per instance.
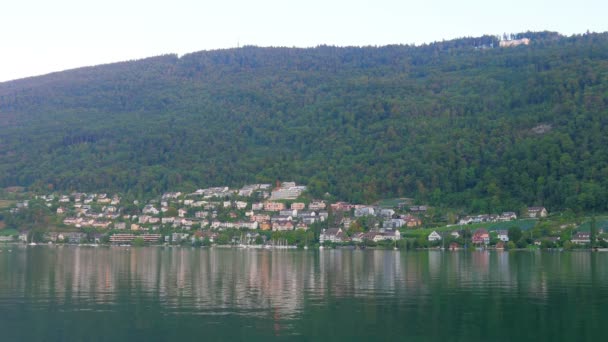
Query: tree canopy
<point x="462" y="123"/>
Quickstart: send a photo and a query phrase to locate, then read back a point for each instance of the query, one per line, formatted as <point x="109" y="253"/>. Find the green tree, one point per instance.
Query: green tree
<point x="138" y="242"/>
<point x="593" y="231"/>
<point x="171" y="212"/>
<point x="514" y="233"/>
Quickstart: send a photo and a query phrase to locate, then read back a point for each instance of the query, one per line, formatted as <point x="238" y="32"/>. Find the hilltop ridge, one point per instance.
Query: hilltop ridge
<point x="450" y="123"/>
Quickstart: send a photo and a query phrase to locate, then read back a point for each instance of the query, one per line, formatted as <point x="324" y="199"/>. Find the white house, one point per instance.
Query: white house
<point x="332" y="235"/>
<point x="537" y="212"/>
<point x="364" y="211"/>
<point x="434" y="236"/>
<point x="502" y="235"/>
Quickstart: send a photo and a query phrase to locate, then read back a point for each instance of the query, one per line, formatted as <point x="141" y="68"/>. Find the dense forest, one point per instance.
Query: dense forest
<point x="460" y="123"/>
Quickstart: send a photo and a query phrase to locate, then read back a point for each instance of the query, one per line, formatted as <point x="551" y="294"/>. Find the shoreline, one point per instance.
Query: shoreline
<point x="264" y="247"/>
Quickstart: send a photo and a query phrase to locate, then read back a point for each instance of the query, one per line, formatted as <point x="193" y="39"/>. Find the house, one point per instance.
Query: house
<point x="364" y="211"/>
<point x="103" y="200"/>
<point x="388" y="213"/>
<point x="306" y="214"/>
<point x="581" y="238"/>
<point x="101" y="224"/>
<point x="182" y="212"/>
<point x="508" y="216"/>
<point x="434" y="236"/>
<point x="281" y="218"/>
<point x="259" y="218"/>
<point x="418" y="208"/>
<point x="454" y="246"/>
<point x="167" y="220"/>
<point x="186" y="222"/>
<point x="480" y="236"/>
<point x="23" y="237"/>
<point x="309" y="219"/>
<point x="7" y="238"/>
<point x="302" y="225"/>
<point x="391" y="235"/>
<point x="201" y="214"/>
<point x="465" y="220"/>
<point x="323" y="215"/>
<point x="150" y="210"/>
<point x="115" y="200"/>
<point x="61" y="210"/>
<point x="500" y="245"/>
<point x="455" y="234"/>
<point x="257" y="206"/>
<point x="372" y="236"/>
<point x="393" y="223"/>
<point x="316" y="205"/>
<point x="120" y="225"/>
<point x="502" y="235"/>
<point x="341" y="206"/>
<point x="287" y="191"/>
<point x="411" y="221"/>
<point x="274" y="206"/>
<point x="248" y="225"/>
<point x="265" y="225"/>
<point x="143" y="219"/>
<point x="537" y="212"/>
<point x="288" y="212"/>
<point x="247" y="190"/>
<point x="358" y="237"/>
<point x="298" y="206"/>
<point x="283" y="225"/>
<point x="514" y="42"/>
<point x="335" y="235"/>
<point x="240" y="205"/>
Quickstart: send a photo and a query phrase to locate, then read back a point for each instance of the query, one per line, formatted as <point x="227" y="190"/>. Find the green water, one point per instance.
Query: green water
<point x="184" y="294"/>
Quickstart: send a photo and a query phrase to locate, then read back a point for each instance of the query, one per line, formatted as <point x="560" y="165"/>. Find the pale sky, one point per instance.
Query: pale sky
<point x="42" y="36"/>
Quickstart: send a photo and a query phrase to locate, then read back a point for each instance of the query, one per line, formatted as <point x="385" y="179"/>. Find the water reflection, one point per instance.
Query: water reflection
<point x="285" y="287"/>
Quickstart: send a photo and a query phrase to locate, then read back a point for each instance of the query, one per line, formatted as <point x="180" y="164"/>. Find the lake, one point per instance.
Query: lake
<point x="70" y="293"/>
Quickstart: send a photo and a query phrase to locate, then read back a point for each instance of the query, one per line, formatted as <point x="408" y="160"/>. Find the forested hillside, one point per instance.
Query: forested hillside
<point x="461" y="123"/>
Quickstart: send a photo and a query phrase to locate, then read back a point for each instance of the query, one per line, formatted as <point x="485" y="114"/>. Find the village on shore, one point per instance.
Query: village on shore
<point x="263" y="216"/>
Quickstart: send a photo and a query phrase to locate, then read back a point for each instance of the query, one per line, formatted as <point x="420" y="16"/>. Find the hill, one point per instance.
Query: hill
<point x="461" y="123"/>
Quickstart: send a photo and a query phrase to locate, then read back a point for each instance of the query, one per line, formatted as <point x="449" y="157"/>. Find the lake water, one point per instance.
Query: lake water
<point x="180" y="294"/>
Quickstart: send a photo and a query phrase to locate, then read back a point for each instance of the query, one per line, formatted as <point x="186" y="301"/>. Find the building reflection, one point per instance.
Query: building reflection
<point x="277" y="284"/>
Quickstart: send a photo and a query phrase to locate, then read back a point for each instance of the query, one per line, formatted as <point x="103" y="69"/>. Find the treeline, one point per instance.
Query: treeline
<point x="458" y="123"/>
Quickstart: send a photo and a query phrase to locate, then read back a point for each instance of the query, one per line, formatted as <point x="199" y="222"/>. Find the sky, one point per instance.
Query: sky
<point x="43" y="36"/>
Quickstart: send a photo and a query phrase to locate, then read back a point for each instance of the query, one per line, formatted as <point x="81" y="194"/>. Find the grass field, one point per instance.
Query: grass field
<point x="392" y="202"/>
<point x="524" y="224"/>
<point x="5" y="232"/>
<point x="600" y="223"/>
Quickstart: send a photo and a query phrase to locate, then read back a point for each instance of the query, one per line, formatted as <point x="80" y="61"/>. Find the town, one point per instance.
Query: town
<point x="281" y="216"/>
